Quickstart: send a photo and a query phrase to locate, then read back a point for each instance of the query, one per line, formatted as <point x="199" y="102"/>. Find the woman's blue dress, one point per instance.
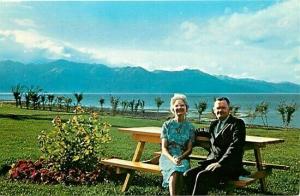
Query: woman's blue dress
<point x="178" y="135"/>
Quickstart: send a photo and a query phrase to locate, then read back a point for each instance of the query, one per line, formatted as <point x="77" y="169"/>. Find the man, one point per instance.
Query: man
<point x="224" y="162"/>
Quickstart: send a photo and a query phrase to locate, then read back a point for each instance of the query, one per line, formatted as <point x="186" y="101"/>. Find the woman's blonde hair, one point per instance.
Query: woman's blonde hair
<point x="178" y="96"/>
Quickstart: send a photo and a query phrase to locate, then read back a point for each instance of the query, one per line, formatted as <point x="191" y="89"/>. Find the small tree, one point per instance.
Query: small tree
<point x="290" y="109"/>
<point x="35" y="100"/>
<point x="59" y="101"/>
<point x="262" y="110"/>
<point x="131" y="105"/>
<point x="79" y="97"/>
<point x="17" y="93"/>
<point x="27" y="100"/>
<point x="234" y="109"/>
<point x="142" y="106"/>
<point x="114" y="101"/>
<point x="68" y="102"/>
<point x="32" y="95"/>
<point x="50" y="98"/>
<point x="251" y="115"/>
<point x="43" y="100"/>
<point x="158" y="102"/>
<point x="136" y="106"/>
<point x="281" y="108"/>
<point x="101" y="101"/>
<point x="286" y="111"/>
<point x="200" y="107"/>
<point x="124" y="105"/>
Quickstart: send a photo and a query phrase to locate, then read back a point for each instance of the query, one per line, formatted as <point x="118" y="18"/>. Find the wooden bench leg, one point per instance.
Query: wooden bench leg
<point x="127" y="181"/>
<point x="136" y="157"/>
<point x="259" y="167"/>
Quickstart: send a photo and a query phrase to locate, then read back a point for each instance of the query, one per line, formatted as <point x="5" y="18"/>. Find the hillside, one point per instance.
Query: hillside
<point x="66" y="76"/>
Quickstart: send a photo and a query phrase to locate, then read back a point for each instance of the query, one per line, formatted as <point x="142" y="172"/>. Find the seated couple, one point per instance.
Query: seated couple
<point x="224" y="162"/>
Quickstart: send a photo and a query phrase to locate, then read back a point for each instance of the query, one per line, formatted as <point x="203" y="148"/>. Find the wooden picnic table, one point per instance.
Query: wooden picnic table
<point x="152" y="135"/>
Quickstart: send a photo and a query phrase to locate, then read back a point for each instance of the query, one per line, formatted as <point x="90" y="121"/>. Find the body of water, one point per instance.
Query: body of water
<point x="245" y="101"/>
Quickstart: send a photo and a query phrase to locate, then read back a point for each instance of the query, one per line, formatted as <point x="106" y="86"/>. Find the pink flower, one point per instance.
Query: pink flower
<point x="14" y="174"/>
<point x="44" y="172"/>
<point x="21" y="162"/>
<point x="34" y="175"/>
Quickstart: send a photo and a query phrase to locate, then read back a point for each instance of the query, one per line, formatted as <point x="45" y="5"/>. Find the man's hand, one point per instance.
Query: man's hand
<point x="213" y="166"/>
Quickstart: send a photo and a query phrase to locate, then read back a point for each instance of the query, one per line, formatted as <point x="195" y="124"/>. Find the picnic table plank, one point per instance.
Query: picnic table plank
<point x="146" y="167"/>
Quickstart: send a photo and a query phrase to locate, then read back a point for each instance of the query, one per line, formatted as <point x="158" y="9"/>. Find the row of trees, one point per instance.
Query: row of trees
<point x="201" y="106"/>
<point x="134" y="106"/>
<point x="35" y="98"/>
<point x="286" y="110"/>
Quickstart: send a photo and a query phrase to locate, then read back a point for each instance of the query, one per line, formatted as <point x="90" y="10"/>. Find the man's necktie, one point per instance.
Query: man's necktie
<point x="219" y="127"/>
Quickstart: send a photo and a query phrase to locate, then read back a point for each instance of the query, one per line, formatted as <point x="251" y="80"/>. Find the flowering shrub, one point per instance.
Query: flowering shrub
<point x="25" y="170"/>
<point x="36" y="172"/>
<point x="74" y="144"/>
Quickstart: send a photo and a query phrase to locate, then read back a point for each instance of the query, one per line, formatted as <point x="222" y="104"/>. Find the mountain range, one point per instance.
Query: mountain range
<point x="67" y="76"/>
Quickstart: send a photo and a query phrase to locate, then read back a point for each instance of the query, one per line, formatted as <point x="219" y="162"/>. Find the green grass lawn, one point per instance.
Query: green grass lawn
<point x="19" y="129"/>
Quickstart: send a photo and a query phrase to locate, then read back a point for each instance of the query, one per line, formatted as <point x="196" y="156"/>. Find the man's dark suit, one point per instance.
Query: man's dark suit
<point x="226" y="148"/>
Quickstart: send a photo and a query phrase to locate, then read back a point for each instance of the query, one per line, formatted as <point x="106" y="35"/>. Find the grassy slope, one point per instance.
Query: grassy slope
<point x="19" y="129"/>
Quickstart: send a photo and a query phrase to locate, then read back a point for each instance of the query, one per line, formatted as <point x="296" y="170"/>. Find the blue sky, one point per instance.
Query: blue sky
<point x="242" y="39"/>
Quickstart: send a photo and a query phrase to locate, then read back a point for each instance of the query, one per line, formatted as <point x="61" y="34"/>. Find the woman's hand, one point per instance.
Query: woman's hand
<point x="177" y="160"/>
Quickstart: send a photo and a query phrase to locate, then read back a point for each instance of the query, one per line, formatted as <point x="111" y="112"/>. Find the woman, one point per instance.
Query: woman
<point x="176" y="140"/>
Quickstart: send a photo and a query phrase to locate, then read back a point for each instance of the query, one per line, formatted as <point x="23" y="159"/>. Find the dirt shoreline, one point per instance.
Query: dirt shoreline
<point x="147" y="114"/>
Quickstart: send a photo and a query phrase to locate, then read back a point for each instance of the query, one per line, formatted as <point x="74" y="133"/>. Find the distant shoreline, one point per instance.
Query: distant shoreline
<point x="246" y="103"/>
<point x="148" y="114"/>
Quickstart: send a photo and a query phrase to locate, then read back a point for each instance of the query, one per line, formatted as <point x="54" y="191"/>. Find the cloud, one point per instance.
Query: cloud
<point x="262" y="45"/>
<point x="189" y="30"/>
<point x="25" y="23"/>
<point x="245" y="44"/>
<point x="32" y="43"/>
<point x="14" y="3"/>
<point x="30" y="46"/>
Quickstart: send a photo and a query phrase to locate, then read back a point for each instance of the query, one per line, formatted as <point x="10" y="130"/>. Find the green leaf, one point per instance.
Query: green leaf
<point x="76" y="158"/>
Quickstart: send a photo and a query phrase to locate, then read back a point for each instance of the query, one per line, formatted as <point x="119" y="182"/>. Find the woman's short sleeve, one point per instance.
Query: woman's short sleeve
<point x="164" y="131"/>
<point x="192" y="133"/>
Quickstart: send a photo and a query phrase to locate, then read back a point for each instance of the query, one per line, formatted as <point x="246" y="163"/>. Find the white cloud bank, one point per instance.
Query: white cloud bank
<point x="25" y="22"/>
<point x="262" y="45"/>
<point x="32" y="44"/>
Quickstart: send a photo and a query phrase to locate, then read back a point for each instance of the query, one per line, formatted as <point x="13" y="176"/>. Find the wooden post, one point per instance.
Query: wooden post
<point x="259" y="167"/>
<point x="136" y="157"/>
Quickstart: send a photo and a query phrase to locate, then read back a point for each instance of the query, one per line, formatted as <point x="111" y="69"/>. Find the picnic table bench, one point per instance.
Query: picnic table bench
<point x="152" y="135"/>
<point x="154" y="168"/>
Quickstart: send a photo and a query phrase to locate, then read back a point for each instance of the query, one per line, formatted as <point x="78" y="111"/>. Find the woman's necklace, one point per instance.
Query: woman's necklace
<point x="178" y="129"/>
